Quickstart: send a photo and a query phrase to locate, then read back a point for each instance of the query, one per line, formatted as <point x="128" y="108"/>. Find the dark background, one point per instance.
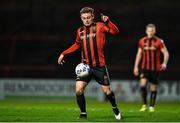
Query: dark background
<point x="34" y="32"/>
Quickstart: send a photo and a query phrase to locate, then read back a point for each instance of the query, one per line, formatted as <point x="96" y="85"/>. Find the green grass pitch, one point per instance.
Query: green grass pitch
<point x="55" y="110"/>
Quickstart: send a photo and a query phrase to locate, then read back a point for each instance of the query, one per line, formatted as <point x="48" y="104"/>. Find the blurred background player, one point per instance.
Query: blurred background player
<point x="150" y="48"/>
<point x="91" y="39"/>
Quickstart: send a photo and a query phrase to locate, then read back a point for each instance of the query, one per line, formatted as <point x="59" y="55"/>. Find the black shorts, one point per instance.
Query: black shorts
<point x="100" y="74"/>
<point x="151" y="76"/>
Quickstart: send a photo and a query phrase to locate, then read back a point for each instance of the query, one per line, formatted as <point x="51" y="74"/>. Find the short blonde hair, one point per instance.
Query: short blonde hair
<point x="150" y="25"/>
<point x="87" y="10"/>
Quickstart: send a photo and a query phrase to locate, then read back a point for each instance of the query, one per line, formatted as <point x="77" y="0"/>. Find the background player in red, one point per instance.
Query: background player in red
<point x="91" y="39"/>
<point x="150" y="48"/>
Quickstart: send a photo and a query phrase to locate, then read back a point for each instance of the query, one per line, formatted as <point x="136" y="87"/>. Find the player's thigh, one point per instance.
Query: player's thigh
<point x="106" y="89"/>
<point x="101" y="75"/>
<point x="80" y="87"/>
<point x="144" y="75"/>
<point x="154" y="78"/>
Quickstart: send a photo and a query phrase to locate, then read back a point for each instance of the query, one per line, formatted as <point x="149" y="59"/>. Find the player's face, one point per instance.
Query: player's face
<point x="87" y="18"/>
<point x="150" y="31"/>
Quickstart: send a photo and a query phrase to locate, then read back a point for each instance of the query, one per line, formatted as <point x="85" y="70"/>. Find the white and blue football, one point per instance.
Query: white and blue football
<point x="82" y="70"/>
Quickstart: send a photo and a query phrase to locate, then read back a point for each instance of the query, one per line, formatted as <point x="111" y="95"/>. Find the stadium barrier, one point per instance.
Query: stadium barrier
<point x="125" y="90"/>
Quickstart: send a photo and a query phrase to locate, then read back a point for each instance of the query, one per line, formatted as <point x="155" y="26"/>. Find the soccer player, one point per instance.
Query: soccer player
<point x="149" y="52"/>
<point x="91" y="39"/>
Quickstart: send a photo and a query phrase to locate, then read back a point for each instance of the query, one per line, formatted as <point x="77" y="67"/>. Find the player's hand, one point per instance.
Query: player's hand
<point x="60" y="59"/>
<point x="136" y="71"/>
<point x="163" y="66"/>
<point x="104" y="18"/>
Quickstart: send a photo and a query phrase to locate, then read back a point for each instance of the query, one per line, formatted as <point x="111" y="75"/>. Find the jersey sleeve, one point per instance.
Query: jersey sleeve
<point x="73" y="47"/>
<point x="161" y="44"/>
<point x="141" y="44"/>
<point x="78" y="37"/>
<point x="104" y="28"/>
<point x="110" y="27"/>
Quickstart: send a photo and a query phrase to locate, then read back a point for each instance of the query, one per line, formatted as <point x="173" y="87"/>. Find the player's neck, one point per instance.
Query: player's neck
<point x="89" y="25"/>
<point x="150" y="36"/>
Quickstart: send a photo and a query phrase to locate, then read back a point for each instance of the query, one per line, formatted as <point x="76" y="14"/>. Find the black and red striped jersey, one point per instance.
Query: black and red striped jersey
<point x="151" y="53"/>
<point x="91" y="40"/>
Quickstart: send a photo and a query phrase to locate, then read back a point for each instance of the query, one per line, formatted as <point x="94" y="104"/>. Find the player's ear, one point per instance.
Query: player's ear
<point x="93" y="16"/>
<point x="146" y="31"/>
<point x="155" y="31"/>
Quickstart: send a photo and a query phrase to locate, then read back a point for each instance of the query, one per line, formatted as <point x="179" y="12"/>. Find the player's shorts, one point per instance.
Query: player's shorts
<point x="151" y="76"/>
<point x="100" y="74"/>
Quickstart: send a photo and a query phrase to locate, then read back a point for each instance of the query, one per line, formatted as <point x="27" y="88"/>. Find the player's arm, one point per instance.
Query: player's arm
<point x="71" y="49"/>
<point x="165" y="58"/>
<point x="112" y="28"/>
<point x="137" y="61"/>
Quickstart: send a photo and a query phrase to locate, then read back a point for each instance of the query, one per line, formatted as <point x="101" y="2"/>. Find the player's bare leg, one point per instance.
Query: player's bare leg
<point x="80" y="87"/>
<point x="153" y="88"/>
<point x="111" y="97"/>
<point x="143" y="87"/>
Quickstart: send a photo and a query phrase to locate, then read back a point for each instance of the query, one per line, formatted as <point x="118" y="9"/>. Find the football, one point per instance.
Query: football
<point x="82" y="70"/>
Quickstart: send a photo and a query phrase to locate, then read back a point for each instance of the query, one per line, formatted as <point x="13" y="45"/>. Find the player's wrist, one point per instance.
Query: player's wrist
<point x="62" y="54"/>
<point x="108" y="21"/>
<point x="135" y="67"/>
<point x="165" y="64"/>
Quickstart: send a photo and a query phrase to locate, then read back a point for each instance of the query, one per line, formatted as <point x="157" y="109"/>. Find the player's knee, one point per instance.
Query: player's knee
<point x="143" y="82"/>
<point x="153" y="87"/>
<point x="107" y="91"/>
<point x="143" y="86"/>
<point x="79" y="91"/>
